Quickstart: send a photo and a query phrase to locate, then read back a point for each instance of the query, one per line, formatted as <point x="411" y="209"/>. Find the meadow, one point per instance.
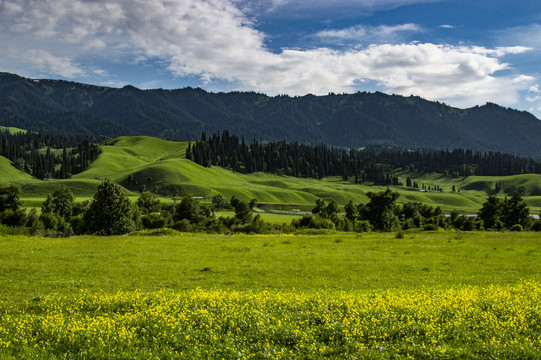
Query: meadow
<point x="338" y="295"/>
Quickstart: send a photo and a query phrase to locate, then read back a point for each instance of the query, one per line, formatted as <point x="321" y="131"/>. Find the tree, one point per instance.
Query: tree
<point x="218" y="201"/>
<point x="380" y="210"/>
<point x="253" y="203"/>
<point x="234" y="201"/>
<point x="63" y="200"/>
<point x="516" y="211"/>
<point x="188" y="209"/>
<point x="149" y="203"/>
<point x="10" y="197"/>
<point x="110" y="212"/>
<point x="351" y="211"/>
<point x="491" y="213"/>
<point x="320" y="206"/>
<point x="243" y="212"/>
<point x="11" y="211"/>
<point x="330" y="211"/>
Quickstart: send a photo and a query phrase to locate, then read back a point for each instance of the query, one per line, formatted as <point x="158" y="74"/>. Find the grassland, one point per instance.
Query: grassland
<point x="33" y="267"/>
<point x="148" y="163"/>
<point x="429" y="295"/>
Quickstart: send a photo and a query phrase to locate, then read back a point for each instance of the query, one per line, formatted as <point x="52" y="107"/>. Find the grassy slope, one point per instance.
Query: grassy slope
<point x="152" y="163"/>
<point x="12" y="130"/>
<point x="8" y="173"/>
<point x="31" y="267"/>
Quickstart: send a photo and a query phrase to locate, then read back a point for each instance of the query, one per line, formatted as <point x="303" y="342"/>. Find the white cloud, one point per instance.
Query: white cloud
<point x="445" y="26"/>
<point x="369" y="34"/>
<point x="214" y="39"/>
<point x="370" y="5"/>
<point x="49" y="63"/>
<point x="526" y="35"/>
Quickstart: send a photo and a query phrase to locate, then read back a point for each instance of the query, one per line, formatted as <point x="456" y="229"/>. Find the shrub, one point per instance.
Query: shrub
<point x="536" y="226"/>
<point x="430" y="227"/>
<point x="49" y="220"/>
<point x="321" y="223"/>
<point x="154" y="220"/>
<point x="184" y="225"/>
<point x="516" y="227"/>
<point x="408" y="224"/>
<point x="12" y="217"/>
<point x="362" y="226"/>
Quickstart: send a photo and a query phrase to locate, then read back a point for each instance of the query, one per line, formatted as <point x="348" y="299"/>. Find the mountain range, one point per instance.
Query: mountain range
<point x="346" y="120"/>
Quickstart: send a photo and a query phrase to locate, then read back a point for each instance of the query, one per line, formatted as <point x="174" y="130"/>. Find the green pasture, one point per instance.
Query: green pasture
<point x="32" y="267"/>
<point x="144" y="163"/>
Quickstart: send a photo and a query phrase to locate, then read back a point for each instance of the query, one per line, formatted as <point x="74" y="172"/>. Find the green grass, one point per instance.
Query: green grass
<point x="8" y="173"/>
<point x="12" y="130"/>
<point x="31" y="266"/>
<point x="150" y="163"/>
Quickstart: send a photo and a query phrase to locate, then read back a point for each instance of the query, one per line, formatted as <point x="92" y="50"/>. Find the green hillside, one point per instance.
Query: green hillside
<point x="146" y="163"/>
<point x="11" y="130"/>
<point x="8" y="173"/>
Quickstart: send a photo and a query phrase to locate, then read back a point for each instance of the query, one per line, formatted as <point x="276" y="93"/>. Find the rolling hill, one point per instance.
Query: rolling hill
<point x="348" y="120"/>
<point x="146" y="163"/>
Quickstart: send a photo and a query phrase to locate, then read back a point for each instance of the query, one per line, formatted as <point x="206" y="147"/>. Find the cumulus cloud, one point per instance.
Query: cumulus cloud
<point x="215" y="40"/>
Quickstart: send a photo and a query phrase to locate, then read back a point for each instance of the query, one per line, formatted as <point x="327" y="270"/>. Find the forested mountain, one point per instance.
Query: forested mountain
<point x="348" y="120"/>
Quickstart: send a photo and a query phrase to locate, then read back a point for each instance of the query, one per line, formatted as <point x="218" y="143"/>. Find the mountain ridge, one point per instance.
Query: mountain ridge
<point x="347" y="120"/>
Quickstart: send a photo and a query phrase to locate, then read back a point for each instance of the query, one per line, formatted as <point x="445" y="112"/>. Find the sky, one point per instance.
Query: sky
<point x="460" y="52"/>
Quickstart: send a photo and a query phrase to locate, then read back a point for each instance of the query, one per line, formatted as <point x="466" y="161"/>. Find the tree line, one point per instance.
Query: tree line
<point x="293" y="159"/>
<point x="374" y="163"/>
<point x="34" y="153"/>
<point x="110" y="212"/>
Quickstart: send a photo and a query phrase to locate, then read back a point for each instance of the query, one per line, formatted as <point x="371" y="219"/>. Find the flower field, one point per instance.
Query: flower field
<point x="468" y="322"/>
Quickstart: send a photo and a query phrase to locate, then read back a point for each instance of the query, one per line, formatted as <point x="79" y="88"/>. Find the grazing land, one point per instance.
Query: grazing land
<point x="426" y="295"/>
<point x="33" y="267"/>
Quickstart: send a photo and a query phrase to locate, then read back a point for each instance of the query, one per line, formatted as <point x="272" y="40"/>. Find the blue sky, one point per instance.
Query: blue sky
<point x="461" y="52"/>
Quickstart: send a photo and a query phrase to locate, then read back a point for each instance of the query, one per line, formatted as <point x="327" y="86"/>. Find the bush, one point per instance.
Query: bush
<point x="184" y="225"/>
<point x="536" y="226"/>
<point x="321" y="223"/>
<point x="154" y="220"/>
<point x="362" y="226"/>
<point x="430" y="227"/>
<point x="516" y="227"/>
<point x="408" y="224"/>
<point x="49" y="220"/>
<point x="302" y="222"/>
<point x="12" y="217"/>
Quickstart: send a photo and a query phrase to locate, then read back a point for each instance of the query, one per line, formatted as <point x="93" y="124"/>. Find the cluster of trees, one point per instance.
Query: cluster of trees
<point x="33" y="153"/>
<point x="505" y="214"/>
<point x="457" y="162"/>
<point x="373" y="163"/>
<point x="111" y="213"/>
<point x="299" y="160"/>
<point x="383" y="213"/>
